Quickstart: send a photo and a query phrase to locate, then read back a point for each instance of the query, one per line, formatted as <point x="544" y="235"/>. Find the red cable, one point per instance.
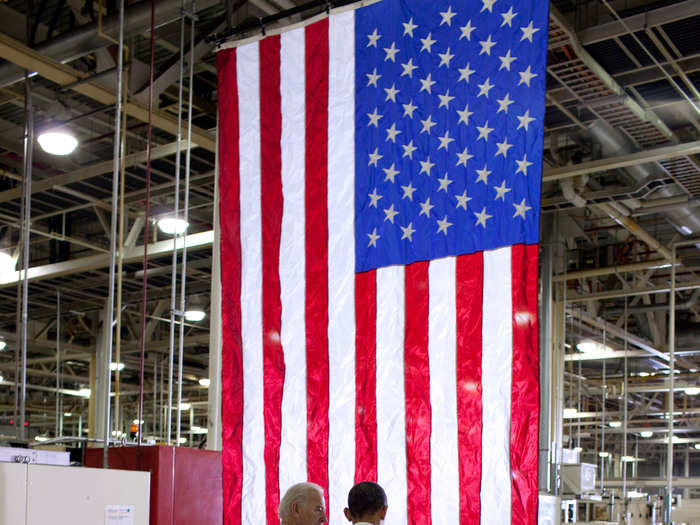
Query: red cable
<point x="144" y="285"/>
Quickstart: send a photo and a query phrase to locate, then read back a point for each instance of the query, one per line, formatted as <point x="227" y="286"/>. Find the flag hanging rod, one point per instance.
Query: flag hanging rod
<point x="261" y="23"/>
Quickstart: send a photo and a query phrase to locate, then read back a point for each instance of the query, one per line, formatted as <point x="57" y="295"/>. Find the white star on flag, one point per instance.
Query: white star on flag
<point x="408" y="28"/>
<point x="443" y="225"/>
<point x="408" y="232"/>
<point x="482" y="217"/>
<point x="373" y="237"/>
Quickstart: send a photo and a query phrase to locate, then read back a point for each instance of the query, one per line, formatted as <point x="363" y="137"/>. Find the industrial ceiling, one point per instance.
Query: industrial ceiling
<point x="621" y="186"/>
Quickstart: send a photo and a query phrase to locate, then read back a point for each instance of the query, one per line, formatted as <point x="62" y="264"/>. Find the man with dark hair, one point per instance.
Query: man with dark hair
<point x="367" y="504"/>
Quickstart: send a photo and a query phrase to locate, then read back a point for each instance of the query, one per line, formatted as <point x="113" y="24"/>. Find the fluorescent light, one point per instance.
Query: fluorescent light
<point x="570" y="412"/>
<point x="692" y="391"/>
<point x="7" y="263"/>
<point x="685" y="230"/>
<point x="643" y="374"/>
<point x="194" y="315"/>
<point x="603" y="454"/>
<point x="136" y="422"/>
<point x="41" y="438"/>
<point x="697" y="446"/>
<point x="1" y="379"/>
<point x="182" y="440"/>
<point x="3" y="345"/>
<point x="646" y="433"/>
<point x="628" y="459"/>
<point x="198" y="430"/>
<point x="67" y="414"/>
<point x="205" y="381"/>
<point x="578" y="449"/>
<point x="592" y="347"/>
<point x="58" y="142"/>
<point x="84" y="392"/>
<point x="615" y="424"/>
<point x="185" y="406"/>
<point x="116" y="366"/>
<point x="172" y="225"/>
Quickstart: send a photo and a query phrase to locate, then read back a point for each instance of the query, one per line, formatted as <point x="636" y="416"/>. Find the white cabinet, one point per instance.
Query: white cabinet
<point x="40" y="494"/>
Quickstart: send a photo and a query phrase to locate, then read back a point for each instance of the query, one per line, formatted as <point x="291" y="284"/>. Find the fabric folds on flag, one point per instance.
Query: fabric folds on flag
<point x="379" y="185"/>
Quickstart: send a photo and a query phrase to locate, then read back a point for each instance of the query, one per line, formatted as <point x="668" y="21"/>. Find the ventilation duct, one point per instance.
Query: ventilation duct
<point x="612" y="142"/>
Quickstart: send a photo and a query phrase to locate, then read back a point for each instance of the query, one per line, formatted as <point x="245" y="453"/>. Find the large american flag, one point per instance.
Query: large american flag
<point x="380" y="187"/>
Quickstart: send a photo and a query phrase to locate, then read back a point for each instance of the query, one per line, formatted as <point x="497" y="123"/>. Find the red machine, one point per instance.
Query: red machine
<point x="186" y="483"/>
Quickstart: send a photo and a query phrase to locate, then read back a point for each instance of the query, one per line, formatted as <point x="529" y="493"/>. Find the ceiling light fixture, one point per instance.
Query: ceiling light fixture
<point x="195" y="315"/>
<point x="643" y="374"/>
<point x="628" y="459"/>
<point x="7" y="263"/>
<point x="67" y="414"/>
<point x="692" y="391"/>
<point x="615" y="424"/>
<point x="205" y="381"/>
<point x="646" y="433"/>
<point x="590" y="348"/>
<point x="685" y="230"/>
<point x="116" y="366"/>
<point x="58" y="142"/>
<point x="3" y="345"/>
<point x="172" y="225"/>
<point x="185" y="406"/>
<point x="570" y="412"/>
<point x="603" y="454"/>
<point x="84" y="392"/>
<point x="1" y="379"/>
<point x="697" y="446"/>
<point x="41" y="438"/>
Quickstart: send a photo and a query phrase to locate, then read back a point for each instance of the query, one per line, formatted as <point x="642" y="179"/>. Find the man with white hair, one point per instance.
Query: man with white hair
<point x="302" y="504"/>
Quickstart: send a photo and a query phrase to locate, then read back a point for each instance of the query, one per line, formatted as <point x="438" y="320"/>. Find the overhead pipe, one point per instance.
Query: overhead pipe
<point x="26" y="233"/>
<point x="183" y="276"/>
<point x="173" y="276"/>
<point x="108" y="327"/>
<point x="614" y="143"/>
<point x="86" y="39"/>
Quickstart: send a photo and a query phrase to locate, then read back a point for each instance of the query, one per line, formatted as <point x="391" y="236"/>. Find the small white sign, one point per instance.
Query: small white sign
<point x="119" y="515"/>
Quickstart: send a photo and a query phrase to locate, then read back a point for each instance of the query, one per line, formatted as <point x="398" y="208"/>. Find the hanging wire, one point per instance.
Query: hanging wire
<point x="624" y="416"/>
<point x="602" y="432"/>
<point x="146" y="223"/>
<point x="183" y="276"/>
<point x="176" y="211"/>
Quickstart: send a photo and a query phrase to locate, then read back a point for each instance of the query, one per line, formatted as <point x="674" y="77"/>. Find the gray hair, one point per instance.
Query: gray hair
<point x="296" y="494"/>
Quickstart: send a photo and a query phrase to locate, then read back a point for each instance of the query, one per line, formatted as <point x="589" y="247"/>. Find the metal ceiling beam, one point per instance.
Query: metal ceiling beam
<point x="609" y="270"/>
<point x="86" y="39"/>
<point x="652" y="18"/>
<point x="195" y="241"/>
<point x="93" y="170"/>
<point x="614" y="294"/>
<point x="622" y="161"/>
<point x="17" y="53"/>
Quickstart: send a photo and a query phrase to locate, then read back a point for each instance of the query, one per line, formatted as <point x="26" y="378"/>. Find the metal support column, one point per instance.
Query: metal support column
<point x="214" y="393"/>
<point x="545" y="468"/>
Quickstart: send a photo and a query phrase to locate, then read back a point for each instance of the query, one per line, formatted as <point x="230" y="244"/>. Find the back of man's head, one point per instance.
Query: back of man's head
<point x="366" y="500"/>
<point x="297" y="495"/>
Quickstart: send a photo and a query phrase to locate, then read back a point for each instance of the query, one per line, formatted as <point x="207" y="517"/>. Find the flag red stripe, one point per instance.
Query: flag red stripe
<point x="271" y="229"/>
<point x="469" y="293"/>
<point x="230" y="235"/>
<point x="317" y="252"/>
<point x="366" y="376"/>
<point x="525" y="386"/>
<point x="417" y="392"/>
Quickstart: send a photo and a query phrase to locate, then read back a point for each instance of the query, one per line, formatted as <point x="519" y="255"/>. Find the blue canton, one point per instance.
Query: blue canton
<point x="449" y="119"/>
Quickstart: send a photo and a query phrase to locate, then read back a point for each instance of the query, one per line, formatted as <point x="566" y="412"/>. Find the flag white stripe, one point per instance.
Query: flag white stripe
<point x="253" y="507"/>
<point x="292" y="465"/>
<point x="442" y="344"/>
<point x="496" y="374"/>
<point x="341" y="263"/>
<point x="391" y="402"/>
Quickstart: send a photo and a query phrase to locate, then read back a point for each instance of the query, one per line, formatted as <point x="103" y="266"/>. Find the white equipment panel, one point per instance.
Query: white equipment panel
<point x="72" y="495"/>
<point x="33" y="455"/>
